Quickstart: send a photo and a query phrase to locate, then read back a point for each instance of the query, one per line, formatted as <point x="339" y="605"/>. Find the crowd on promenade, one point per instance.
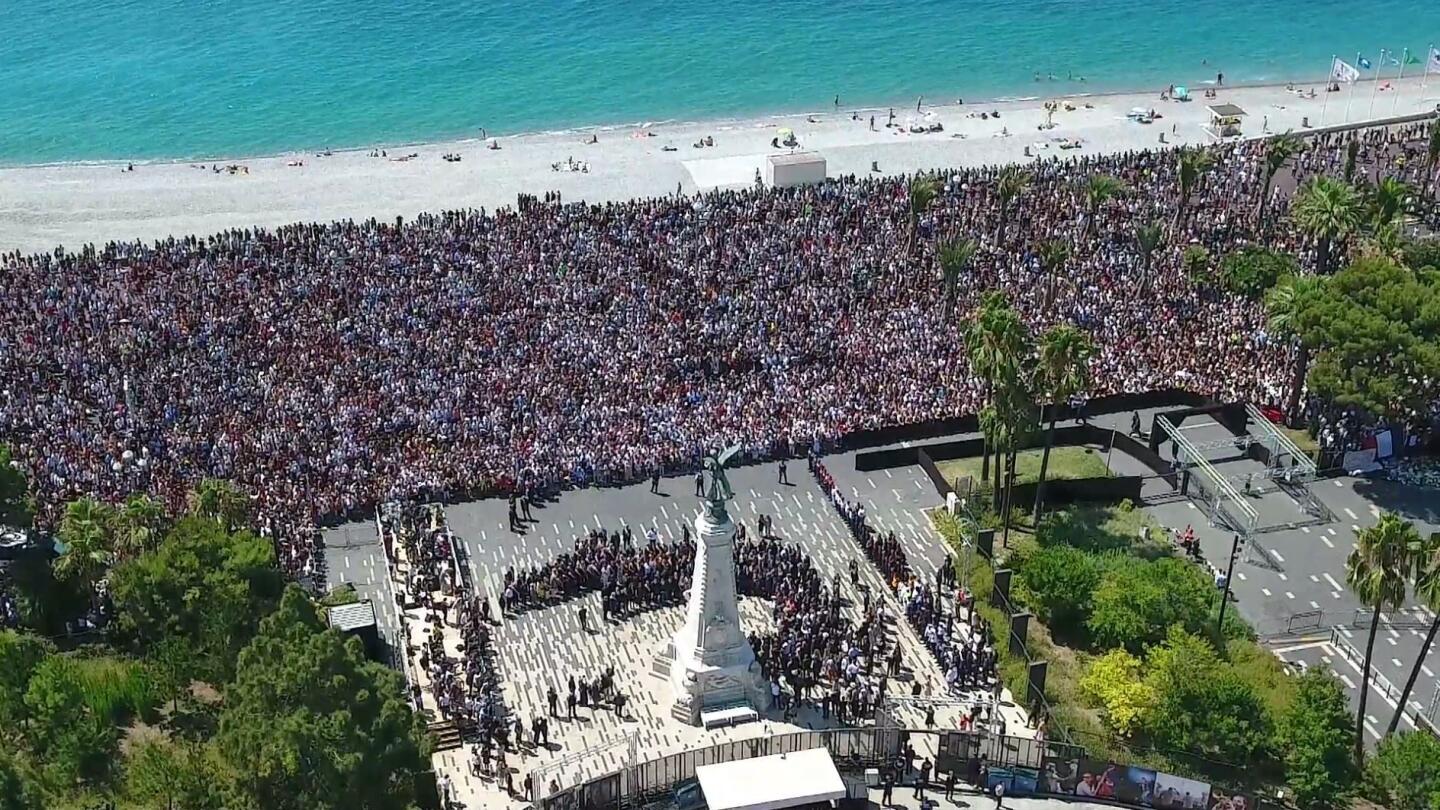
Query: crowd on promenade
<point x="327" y="367"/>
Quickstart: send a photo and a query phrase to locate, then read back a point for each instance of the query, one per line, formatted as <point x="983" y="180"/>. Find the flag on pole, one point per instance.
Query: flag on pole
<point x="1432" y="65"/>
<point x="1364" y="63"/>
<point x="1411" y="59"/>
<point x="1342" y="71"/>
<point x="1392" y="58"/>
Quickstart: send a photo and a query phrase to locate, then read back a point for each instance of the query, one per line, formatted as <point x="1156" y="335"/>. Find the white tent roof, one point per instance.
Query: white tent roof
<point x="771" y="783"/>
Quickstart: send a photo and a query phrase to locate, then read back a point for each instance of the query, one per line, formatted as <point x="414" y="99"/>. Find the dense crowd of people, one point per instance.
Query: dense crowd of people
<point x="327" y="367"/>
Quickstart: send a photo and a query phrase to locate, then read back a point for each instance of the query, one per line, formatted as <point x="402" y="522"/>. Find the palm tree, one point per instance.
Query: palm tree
<point x="1375" y="572"/>
<point x="1147" y="239"/>
<point x="1284" y="303"/>
<point x="955" y="256"/>
<point x="1327" y="211"/>
<point x="1011" y="183"/>
<point x="1278" y="151"/>
<point x="1192" y="164"/>
<point x="995" y="344"/>
<point x="1427" y="590"/>
<point x="1053" y="254"/>
<point x="219" y="501"/>
<point x="923" y="190"/>
<point x="1388" y="200"/>
<point x="1432" y="154"/>
<point x="1099" y="189"/>
<point x="138" y="526"/>
<point x="1062" y="370"/>
<point x="86" y="532"/>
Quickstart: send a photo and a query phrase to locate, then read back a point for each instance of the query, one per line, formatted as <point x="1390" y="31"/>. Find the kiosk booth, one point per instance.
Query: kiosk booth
<point x="1225" y="120"/>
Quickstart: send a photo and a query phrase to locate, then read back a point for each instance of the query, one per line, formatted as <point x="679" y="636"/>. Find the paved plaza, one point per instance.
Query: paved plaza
<point x="1303" y="572"/>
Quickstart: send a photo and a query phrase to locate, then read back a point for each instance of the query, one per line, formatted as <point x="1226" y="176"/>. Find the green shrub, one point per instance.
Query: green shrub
<point x="116" y="689"/>
<point x="1253" y="270"/>
<point x="1138" y="602"/>
<point x="1404" y="773"/>
<point x="1058" y="584"/>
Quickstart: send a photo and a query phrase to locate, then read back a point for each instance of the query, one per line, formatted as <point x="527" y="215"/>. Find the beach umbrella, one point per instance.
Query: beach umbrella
<point x="785" y="132"/>
<point x="1182" y="92"/>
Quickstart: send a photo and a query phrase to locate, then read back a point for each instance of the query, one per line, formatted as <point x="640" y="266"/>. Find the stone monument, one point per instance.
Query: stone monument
<point x="711" y="663"/>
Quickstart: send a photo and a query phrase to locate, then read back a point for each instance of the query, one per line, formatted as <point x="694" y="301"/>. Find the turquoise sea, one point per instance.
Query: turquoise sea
<point x="136" y="79"/>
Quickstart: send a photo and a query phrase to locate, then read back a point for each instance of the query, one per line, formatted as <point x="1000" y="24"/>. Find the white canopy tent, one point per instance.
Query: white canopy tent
<point x="771" y="783"/>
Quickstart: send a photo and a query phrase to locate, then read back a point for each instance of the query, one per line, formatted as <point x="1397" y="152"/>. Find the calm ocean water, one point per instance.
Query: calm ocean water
<point x="132" y="79"/>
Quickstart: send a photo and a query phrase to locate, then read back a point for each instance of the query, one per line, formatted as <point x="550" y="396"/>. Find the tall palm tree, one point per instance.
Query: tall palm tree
<point x="1053" y="255"/>
<point x="1099" y="189"/>
<point x="1427" y="590"/>
<point x="1193" y="163"/>
<point x="1015" y="408"/>
<point x="1147" y="239"/>
<point x="86" y="530"/>
<point x="1432" y="155"/>
<point x="219" y="501"/>
<point x="995" y="344"/>
<point x="138" y="526"/>
<point x="1388" y="200"/>
<point x="1278" y="151"/>
<point x="1011" y="184"/>
<point x="955" y="256"/>
<point x="1375" y="573"/>
<point x="1283" y="304"/>
<point x="1062" y="370"/>
<point x="923" y="191"/>
<point x="1327" y="211"/>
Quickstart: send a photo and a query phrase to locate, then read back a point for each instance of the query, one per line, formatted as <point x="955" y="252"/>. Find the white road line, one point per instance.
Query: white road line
<point x="1326" y="541"/>
<point x="1427" y="671"/>
<point x="1337" y="586"/>
<point x="1305" y="529"/>
<point x="1330" y="531"/>
<point x="1280" y="574"/>
<point x="1355" y="527"/>
<point x="1339" y="484"/>
<point x="1276" y="555"/>
<point x="1314" y="578"/>
<point x="1289" y="595"/>
<point x="1314" y="604"/>
<point x="1241" y="575"/>
<point x="1265" y="591"/>
<point x="1351" y="513"/>
<point x="1345" y="679"/>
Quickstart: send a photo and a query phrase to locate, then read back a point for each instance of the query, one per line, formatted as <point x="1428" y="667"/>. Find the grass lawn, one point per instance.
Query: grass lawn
<point x="1302" y="440"/>
<point x="1065" y="463"/>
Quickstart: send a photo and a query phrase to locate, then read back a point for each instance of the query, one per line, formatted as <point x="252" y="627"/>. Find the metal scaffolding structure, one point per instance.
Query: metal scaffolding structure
<point x="1227" y="505"/>
<point x="1301" y="470"/>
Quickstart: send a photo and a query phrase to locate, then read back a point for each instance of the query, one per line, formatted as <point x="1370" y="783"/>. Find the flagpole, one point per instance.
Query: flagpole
<point x="1370" y="113"/>
<point x="1425" y="72"/>
<point x="1395" y="100"/>
<point x="1329" y="77"/>
<point x="1350" y="96"/>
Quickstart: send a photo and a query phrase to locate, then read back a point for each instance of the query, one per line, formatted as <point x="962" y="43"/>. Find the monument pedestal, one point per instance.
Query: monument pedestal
<point x="710" y="660"/>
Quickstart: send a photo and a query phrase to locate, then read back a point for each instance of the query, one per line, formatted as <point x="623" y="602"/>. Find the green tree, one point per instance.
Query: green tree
<point x="1192" y="165"/>
<point x="139" y="525"/>
<point x="1147" y="239"/>
<point x="1375" y="572"/>
<point x="995" y="344"/>
<point x="1099" y="189"/>
<point x="1327" y="211"/>
<point x="1375" y="329"/>
<point x="309" y="724"/>
<point x="86" y="530"/>
<point x="1113" y="684"/>
<point x="204" y="587"/>
<point x="1062" y="370"/>
<point x="17" y="790"/>
<point x="1201" y="705"/>
<point x="65" y="733"/>
<point x="1404" y="774"/>
<point x="1196" y="261"/>
<point x="1316" y="734"/>
<point x="166" y="775"/>
<point x="955" y="256"/>
<point x="1389" y="199"/>
<point x="20" y="655"/>
<point x="14" y="504"/>
<point x="1419" y="254"/>
<point x="1137" y="604"/>
<point x="1253" y="271"/>
<point x="1053" y="254"/>
<point x="1425" y="563"/>
<point x="221" y="502"/>
<point x="1284" y="304"/>
<point x="923" y="191"/>
<point x="1278" y="151"/>
<point x="1010" y="185"/>
<point x="1058" y="583"/>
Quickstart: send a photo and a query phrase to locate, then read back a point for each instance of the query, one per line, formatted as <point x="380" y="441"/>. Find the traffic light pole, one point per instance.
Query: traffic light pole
<point x="1225" y="597"/>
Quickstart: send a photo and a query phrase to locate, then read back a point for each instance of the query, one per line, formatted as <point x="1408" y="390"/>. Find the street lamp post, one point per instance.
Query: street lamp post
<point x="1225" y="596"/>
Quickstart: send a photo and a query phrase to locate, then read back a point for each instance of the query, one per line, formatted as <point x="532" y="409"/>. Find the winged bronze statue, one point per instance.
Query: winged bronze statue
<point x="720" y="490"/>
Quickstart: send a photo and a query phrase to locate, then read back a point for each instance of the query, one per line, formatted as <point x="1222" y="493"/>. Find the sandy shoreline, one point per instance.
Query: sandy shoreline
<point x="70" y="204"/>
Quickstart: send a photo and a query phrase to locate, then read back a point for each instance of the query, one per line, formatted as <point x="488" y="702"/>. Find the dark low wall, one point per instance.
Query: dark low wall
<point x="1080" y="489"/>
<point x="936" y="479"/>
<point x="1170" y="398"/>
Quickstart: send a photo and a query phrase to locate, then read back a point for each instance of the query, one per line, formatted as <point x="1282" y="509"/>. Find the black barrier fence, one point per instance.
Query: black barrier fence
<point x="969" y="424"/>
